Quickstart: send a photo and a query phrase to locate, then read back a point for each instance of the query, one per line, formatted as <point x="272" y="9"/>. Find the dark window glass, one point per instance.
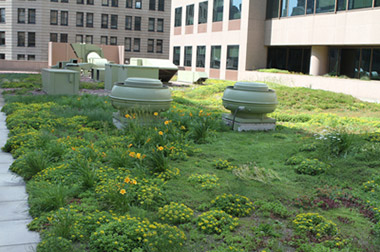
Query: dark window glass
<point x="114" y="3"/>
<point x="232" y="57"/>
<point x="161" y="5"/>
<point x="333" y="61"/>
<point x="2" y="56"/>
<point x="104" y="40"/>
<point x="80" y="17"/>
<point x="128" y="44"/>
<point x="105" y="2"/>
<point x="2" y="38"/>
<point x="136" y="45"/>
<point x="188" y="55"/>
<point x="104" y="21"/>
<point x="31" y="39"/>
<point x="152" y="4"/>
<point x="349" y="62"/>
<point x="129" y="4"/>
<point x="357" y="4"/>
<point x="215" y="57"/>
<point x="310" y="7"/>
<point x="150" y="45"/>
<point x="176" y="55"/>
<point x="64" y="18"/>
<point x="89" y="19"/>
<point x="190" y="14"/>
<point x="203" y="9"/>
<point x="178" y="17"/>
<point x="217" y="12"/>
<point x="151" y="22"/>
<point x="277" y="58"/>
<point x="201" y="56"/>
<point x="341" y="5"/>
<point x="272" y="8"/>
<point x="64" y="38"/>
<point x="365" y="64"/>
<point x="113" y="40"/>
<point x="53" y="37"/>
<point x="21" y="15"/>
<point x="375" y="72"/>
<point x="160" y="24"/>
<point x="138" y="4"/>
<point x="20" y="38"/>
<point x="53" y="0"/>
<point x="31" y="16"/>
<point x="235" y="9"/>
<point x="323" y="6"/>
<point x="306" y="61"/>
<point x="296" y="7"/>
<point x="137" y="23"/>
<point x="64" y="1"/>
<point x="377" y="2"/>
<point x="20" y="57"/>
<point x="31" y="57"/>
<point x="89" y="39"/>
<point x="79" y="38"/>
<point x="128" y="22"/>
<point x="2" y="15"/>
<point x="113" y="21"/>
<point x="80" y="1"/>
<point x="159" y="45"/>
<point x="91" y="2"/>
<point x="295" y="60"/>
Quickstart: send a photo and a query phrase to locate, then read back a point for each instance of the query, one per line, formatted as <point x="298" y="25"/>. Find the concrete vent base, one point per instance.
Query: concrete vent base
<point x="240" y="124"/>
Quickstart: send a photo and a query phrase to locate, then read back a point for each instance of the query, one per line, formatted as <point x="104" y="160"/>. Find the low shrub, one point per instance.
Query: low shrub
<point x="311" y="167"/>
<point x="54" y="243"/>
<point x="314" y="226"/>
<point x="205" y="181"/>
<point x="175" y="213"/>
<point x="223" y="165"/>
<point x="275" y="208"/>
<point x="216" y="222"/>
<point x="235" y="205"/>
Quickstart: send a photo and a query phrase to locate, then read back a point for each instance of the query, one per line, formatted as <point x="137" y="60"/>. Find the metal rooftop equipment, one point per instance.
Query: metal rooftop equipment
<point x="166" y="68"/>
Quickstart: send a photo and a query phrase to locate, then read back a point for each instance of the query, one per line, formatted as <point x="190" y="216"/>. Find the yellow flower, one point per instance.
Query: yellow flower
<point x="183" y="127"/>
<point x="160" y="148"/>
<point x="167" y="122"/>
<point x="138" y="155"/>
<point x="73" y="148"/>
<point x="127" y="116"/>
<point x="155" y="114"/>
<point x="126" y="180"/>
<point x="132" y="154"/>
<point x="123" y="191"/>
<point x="160" y="133"/>
<point x="130" y="145"/>
<point x="133" y="182"/>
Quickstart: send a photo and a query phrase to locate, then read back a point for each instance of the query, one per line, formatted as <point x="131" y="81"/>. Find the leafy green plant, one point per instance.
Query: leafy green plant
<point x="31" y="163"/>
<point x="311" y="167"/>
<point x="205" y="181"/>
<point x="175" y="213"/>
<point x="53" y="243"/>
<point x="336" y="143"/>
<point x="223" y="165"/>
<point x="216" y="222"/>
<point x="235" y="205"/>
<point x="275" y="208"/>
<point x="315" y="226"/>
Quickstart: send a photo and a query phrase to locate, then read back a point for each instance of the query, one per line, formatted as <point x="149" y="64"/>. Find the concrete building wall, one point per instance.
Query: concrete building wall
<point x="43" y="28"/>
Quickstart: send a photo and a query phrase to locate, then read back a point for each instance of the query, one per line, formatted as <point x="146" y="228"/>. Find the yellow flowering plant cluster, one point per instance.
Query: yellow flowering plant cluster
<point x="311" y="167"/>
<point x="168" y="174"/>
<point x="204" y="181"/>
<point x="175" y="213"/>
<point x="372" y="185"/>
<point x="224" y="165"/>
<point x="314" y="226"/>
<point x="373" y="137"/>
<point x="216" y="222"/>
<point x="234" y="204"/>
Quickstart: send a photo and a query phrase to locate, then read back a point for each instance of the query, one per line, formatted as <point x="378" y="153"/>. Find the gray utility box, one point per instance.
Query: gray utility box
<point x="60" y="81"/>
<point x="97" y="74"/>
<point x="119" y="73"/>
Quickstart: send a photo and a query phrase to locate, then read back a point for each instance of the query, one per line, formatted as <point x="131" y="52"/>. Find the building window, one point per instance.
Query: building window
<point x="89" y="39"/>
<point x="64" y="38"/>
<point x="377" y="3"/>
<point x="64" y="18"/>
<point x="201" y="56"/>
<point x="79" y="38"/>
<point x="203" y="9"/>
<point x="104" y="21"/>
<point x="160" y="24"/>
<point x="137" y="23"/>
<point x="2" y="56"/>
<point x="188" y="56"/>
<point x="105" y="2"/>
<point x="53" y="37"/>
<point x="159" y="45"/>
<point x="341" y="5"/>
<point x="53" y="17"/>
<point x="31" y="57"/>
<point x="150" y="45"/>
<point x="31" y="16"/>
<point x="113" y="40"/>
<point x="2" y="38"/>
<point x="80" y="1"/>
<point x="136" y="45"/>
<point x="176" y="55"/>
<point x="127" y="44"/>
<point x="21" y="15"/>
<point x="104" y="40"/>
<point x="232" y="57"/>
<point x="273" y="7"/>
<point x="151" y="24"/>
<point x="113" y="21"/>
<point x="355" y="4"/>
<point x="129" y="4"/>
<point x="2" y="15"/>
<point x="217" y="12"/>
<point x="114" y="3"/>
<point x="235" y="9"/>
<point x="190" y="14"/>
<point x="178" y="17"/>
<point x="128" y="22"/>
<point x="53" y="0"/>
<point x="138" y="4"/>
<point x="90" y="2"/>
<point x="64" y="1"/>
<point x="152" y="4"/>
<point x="215" y="57"/>
<point x="89" y="19"/>
<point x="80" y="17"/>
<point x="31" y="39"/>
<point x="161" y="5"/>
<point x="20" y="38"/>
<point x="20" y="56"/>
<point x="294" y="59"/>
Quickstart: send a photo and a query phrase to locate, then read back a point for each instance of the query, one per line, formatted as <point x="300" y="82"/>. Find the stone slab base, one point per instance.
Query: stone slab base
<point x="249" y="126"/>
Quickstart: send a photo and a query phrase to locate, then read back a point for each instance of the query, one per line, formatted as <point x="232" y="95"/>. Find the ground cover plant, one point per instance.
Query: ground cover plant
<point x="188" y="183"/>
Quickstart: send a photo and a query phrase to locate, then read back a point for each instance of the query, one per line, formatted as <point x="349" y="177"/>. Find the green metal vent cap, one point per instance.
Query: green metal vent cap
<point x="143" y="83"/>
<point x="251" y="86"/>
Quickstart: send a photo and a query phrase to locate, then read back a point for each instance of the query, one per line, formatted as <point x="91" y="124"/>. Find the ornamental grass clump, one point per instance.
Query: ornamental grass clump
<point x="175" y="213"/>
<point x="235" y="205"/>
<point x="205" y="181"/>
<point x="216" y="222"/>
<point x="314" y="226"/>
<point x="311" y="167"/>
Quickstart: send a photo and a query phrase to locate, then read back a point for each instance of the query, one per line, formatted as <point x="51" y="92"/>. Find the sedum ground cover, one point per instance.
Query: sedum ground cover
<point x="188" y="183"/>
